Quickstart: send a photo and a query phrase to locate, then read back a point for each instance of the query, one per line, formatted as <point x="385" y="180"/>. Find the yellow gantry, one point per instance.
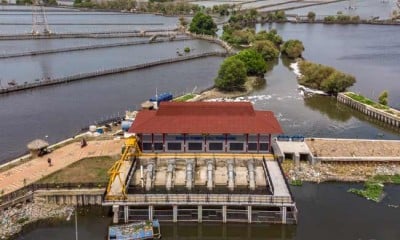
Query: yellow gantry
<point x="117" y="190"/>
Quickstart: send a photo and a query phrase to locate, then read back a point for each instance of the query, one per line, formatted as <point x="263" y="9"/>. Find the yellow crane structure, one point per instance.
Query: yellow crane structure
<point x="116" y="189"/>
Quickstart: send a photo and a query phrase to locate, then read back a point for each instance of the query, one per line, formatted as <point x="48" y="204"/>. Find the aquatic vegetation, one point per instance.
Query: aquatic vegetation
<point x="296" y="182"/>
<point x="184" y="98"/>
<point x="372" y="190"/>
<point x="395" y="179"/>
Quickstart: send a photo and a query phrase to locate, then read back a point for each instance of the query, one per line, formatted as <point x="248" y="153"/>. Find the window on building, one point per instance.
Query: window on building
<point x="264" y="147"/>
<point x="252" y="147"/>
<point x="236" y="146"/>
<point x="215" y="146"/>
<point x="195" y="146"/>
<point x="174" y="146"/>
<point x="158" y="146"/>
<point x="147" y="146"/>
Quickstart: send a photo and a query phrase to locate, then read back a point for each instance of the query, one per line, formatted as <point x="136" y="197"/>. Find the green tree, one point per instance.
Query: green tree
<point x="293" y="48"/>
<point x="311" y="16"/>
<point x="253" y="61"/>
<point x="203" y="24"/>
<point x="267" y="49"/>
<point x="231" y="75"/>
<point x="383" y="98"/>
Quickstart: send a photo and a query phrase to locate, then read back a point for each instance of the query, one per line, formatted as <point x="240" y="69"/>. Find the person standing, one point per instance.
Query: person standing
<point x="49" y="162"/>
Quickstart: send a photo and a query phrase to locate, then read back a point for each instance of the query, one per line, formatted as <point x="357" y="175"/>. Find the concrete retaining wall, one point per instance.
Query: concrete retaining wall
<point x="370" y="111"/>
<point x="77" y="197"/>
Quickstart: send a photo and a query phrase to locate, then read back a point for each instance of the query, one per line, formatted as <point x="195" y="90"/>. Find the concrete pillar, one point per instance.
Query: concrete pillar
<point x="283" y="210"/>
<point x="115" y="209"/>
<point x="74" y="200"/>
<point x="150" y="213"/>
<point x="296" y="159"/>
<point x="199" y="213"/>
<point x="126" y="213"/>
<point x="224" y="213"/>
<point x="175" y="213"/>
<point x="249" y="214"/>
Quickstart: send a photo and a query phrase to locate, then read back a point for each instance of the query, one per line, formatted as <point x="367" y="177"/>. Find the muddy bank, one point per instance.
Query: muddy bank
<point x="213" y="93"/>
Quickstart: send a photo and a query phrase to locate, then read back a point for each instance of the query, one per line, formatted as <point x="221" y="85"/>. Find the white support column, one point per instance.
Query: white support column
<point x="150" y="213"/>
<point x="175" y="213"/>
<point x="283" y="209"/>
<point x="249" y="214"/>
<point x="224" y="214"/>
<point x="199" y="214"/>
<point x="126" y="214"/>
<point x="115" y="209"/>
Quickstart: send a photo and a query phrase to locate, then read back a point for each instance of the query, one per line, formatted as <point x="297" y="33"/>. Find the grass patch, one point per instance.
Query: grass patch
<point x="372" y="190"/>
<point x="367" y="101"/>
<point x="87" y="170"/>
<point x="184" y="98"/>
<point x="395" y="179"/>
<point x="296" y="182"/>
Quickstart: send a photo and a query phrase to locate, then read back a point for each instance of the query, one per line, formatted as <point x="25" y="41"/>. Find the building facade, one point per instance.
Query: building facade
<point x="205" y="127"/>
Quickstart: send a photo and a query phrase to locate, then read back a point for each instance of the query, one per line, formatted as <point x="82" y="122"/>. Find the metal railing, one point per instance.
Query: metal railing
<point x="28" y="190"/>
<point x="209" y="199"/>
<point x="268" y="176"/>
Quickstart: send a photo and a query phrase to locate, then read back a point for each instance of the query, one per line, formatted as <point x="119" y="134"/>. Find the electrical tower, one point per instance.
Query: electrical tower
<point x="39" y="19"/>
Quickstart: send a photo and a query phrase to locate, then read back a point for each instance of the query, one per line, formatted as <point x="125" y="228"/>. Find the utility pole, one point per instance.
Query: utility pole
<point x="39" y="19"/>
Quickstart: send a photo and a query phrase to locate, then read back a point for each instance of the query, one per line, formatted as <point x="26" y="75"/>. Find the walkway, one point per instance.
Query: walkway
<point x="278" y="181"/>
<point x="29" y="172"/>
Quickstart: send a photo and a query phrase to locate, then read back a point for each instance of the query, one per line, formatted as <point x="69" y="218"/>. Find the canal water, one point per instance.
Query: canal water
<point x="326" y="211"/>
<point x="371" y="53"/>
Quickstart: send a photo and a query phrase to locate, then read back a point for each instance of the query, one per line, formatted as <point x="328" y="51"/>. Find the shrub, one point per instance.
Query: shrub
<point x="324" y="78"/>
<point x="293" y="48"/>
<point x="267" y="49"/>
<point x="311" y="16"/>
<point x="383" y="98"/>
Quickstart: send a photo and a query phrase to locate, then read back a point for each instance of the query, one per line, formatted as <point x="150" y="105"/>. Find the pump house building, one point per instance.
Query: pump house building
<point x="205" y="127"/>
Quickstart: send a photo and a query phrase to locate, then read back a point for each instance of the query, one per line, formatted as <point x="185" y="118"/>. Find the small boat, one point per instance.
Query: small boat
<point x="135" y="231"/>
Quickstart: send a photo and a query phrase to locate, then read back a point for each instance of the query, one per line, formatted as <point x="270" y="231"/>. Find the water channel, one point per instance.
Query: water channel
<point x="371" y="53"/>
<point x="327" y="212"/>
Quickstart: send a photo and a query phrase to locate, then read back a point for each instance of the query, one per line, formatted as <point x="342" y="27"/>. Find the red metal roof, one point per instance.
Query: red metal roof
<point x="206" y="117"/>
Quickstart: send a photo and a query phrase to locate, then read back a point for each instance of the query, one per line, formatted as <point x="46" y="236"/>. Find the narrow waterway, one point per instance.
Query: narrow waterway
<point x="326" y="211"/>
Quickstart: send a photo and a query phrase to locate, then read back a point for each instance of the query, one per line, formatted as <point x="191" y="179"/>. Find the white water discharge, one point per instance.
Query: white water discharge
<point x="303" y="90"/>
